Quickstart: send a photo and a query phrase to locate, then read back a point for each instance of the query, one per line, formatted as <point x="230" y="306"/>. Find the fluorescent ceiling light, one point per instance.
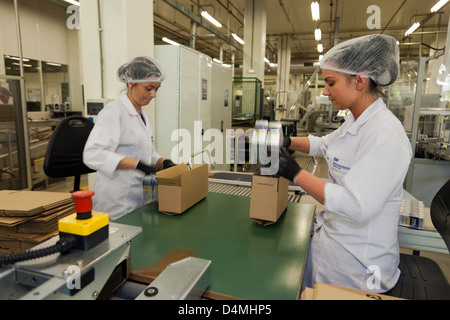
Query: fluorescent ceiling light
<point x="438" y="5"/>
<point x="412" y="28"/>
<point x="25" y="65"/>
<point x="266" y="60"/>
<point x="235" y="36"/>
<point x="217" y="60"/>
<point x="53" y="64"/>
<point x="210" y="18"/>
<point x="320" y="47"/>
<point x="315" y="11"/>
<point x="16" y="58"/>
<point x="318" y="34"/>
<point x="73" y="2"/>
<point x="321" y="57"/>
<point x="170" y="41"/>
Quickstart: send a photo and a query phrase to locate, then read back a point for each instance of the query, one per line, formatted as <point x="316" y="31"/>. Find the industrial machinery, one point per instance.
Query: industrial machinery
<point x="79" y="262"/>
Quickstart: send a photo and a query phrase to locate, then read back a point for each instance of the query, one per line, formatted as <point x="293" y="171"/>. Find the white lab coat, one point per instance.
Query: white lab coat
<point x="355" y="238"/>
<point x="119" y="132"/>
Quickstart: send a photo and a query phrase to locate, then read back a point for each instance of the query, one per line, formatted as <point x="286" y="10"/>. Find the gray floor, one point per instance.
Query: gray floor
<point x="442" y="259"/>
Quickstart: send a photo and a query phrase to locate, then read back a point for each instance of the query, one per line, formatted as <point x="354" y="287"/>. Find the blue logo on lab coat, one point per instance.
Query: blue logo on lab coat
<point x="339" y="166"/>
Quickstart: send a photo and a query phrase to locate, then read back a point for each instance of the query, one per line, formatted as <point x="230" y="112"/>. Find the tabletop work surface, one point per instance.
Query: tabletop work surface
<point x="248" y="261"/>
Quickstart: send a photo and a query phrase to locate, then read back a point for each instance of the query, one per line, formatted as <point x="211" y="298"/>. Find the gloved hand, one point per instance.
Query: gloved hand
<point x="287" y="166"/>
<point x="286" y="142"/>
<point x="167" y="163"/>
<point x="145" y="168"/>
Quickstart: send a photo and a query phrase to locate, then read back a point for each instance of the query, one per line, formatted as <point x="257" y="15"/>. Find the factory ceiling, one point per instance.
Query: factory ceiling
<point x="339" y="20"/>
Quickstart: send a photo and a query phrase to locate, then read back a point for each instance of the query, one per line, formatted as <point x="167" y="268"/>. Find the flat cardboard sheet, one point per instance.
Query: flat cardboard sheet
<point x="28" y="203"/>
<point x="28" y="218"/>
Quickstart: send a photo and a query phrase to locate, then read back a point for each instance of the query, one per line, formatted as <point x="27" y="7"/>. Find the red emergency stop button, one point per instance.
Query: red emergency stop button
<point x="83" y="203"/>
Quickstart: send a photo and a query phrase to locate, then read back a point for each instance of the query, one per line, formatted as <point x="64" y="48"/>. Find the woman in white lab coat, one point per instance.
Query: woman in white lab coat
<point x="5" y="96"/>
<point x="121" y="147"/>
<point x="354" y="241"/>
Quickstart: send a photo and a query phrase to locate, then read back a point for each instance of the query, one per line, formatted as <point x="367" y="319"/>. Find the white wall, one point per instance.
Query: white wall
<point x="45" y="37"/>
<point x="43" y="30"/>
<point x="127" y="32"/>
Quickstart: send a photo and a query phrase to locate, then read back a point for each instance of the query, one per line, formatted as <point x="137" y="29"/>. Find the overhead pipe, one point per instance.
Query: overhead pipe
<point x="188" y="13"/>
<point x="229" y="12"/>
<point x="100" y="42"/>
<point x="393" y="16"/>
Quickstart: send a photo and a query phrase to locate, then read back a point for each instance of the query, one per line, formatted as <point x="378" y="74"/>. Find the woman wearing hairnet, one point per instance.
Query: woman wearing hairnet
<point x="121" y="147"/>
<point x="354" y="242"/>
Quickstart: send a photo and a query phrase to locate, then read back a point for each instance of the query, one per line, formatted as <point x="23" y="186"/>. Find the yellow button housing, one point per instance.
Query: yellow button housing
<point x="71" y="225"/>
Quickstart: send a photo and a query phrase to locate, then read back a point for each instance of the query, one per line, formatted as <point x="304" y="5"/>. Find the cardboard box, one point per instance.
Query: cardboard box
<point x="269" y="198"/>
<point x="180" y="188"/>
<point x="325" y="291"/>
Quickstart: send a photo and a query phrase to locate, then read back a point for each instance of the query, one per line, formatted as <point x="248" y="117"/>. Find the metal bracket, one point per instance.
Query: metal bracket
<point x="186" y="279"/>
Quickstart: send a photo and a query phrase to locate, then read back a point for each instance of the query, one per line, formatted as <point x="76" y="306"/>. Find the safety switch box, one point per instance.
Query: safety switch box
<point x="88" y="227"/>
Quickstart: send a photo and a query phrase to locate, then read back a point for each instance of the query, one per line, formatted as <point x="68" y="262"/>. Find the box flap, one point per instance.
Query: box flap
<point x="197" y="172"/>
<point x="264" y="223"/>
<point x="171" y="176"/>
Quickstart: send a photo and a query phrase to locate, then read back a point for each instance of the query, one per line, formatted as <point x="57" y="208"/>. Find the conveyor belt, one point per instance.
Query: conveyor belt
<point x="241" y="191"/>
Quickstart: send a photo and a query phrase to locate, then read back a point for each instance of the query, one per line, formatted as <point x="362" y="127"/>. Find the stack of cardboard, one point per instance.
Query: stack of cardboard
<point x="28" y="218"/>
<point x="325" y="291"/>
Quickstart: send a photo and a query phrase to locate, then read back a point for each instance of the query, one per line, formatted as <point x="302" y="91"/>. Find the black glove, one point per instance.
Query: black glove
<point x="287" y="166"/>
<point x="145" y="168"/>
<point x="167" y="163"/>
<point x="286" y="142"/>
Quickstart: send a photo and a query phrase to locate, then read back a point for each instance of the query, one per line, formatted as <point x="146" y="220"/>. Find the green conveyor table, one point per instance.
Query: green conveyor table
<point x="248" y="261"/>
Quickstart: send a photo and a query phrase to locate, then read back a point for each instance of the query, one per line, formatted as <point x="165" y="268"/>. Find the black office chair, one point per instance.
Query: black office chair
<point x="421" y="278"/>
<point x="64" y="156"/>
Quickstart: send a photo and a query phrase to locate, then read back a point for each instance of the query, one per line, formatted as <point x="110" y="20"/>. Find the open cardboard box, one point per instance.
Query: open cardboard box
<point x="269" y="198"/>
<point x="179" y="187"/>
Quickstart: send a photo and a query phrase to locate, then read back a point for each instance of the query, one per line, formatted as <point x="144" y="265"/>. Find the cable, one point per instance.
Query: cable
<point x="63" y="246"/>
<point x="436" y="49"/>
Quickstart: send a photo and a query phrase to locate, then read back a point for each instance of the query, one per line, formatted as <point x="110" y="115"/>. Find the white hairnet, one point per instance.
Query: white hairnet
<point x="141" y="69"/>
<point x="375" y="56"/>
<point x="3" y="90"/>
